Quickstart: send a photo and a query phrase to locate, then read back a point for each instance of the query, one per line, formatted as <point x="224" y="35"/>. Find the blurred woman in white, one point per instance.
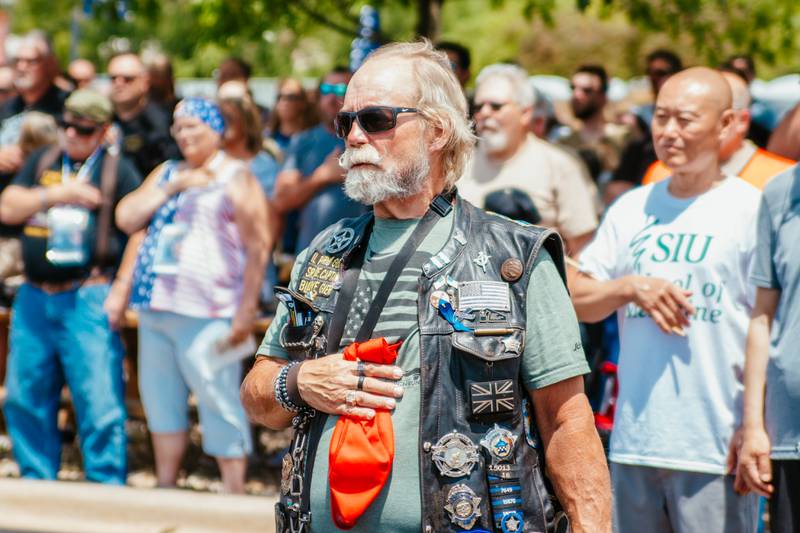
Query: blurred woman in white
<point x="196" y="286"/>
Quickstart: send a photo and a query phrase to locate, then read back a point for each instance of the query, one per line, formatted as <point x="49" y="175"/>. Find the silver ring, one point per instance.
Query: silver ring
<point x="360" y="368"/>
<point x="360" y="385"/>
<point x="351" y="398"/>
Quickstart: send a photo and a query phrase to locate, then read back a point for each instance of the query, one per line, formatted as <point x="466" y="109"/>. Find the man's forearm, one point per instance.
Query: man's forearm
<point x="594" y="300"/>
<point x="258" y="395"/>
<point x="757" y="357"/>
<point x="18" y="204"/>
<point x="574" y="456"/>
<point x="295" y="191"/>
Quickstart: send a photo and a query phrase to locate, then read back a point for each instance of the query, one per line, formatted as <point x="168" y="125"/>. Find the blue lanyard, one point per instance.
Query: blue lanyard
<point x="82" y="174"/>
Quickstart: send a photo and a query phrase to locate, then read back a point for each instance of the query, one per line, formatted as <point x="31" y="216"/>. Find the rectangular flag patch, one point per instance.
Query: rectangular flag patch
<point x="483" y="295"/>
<point x="492" y="397"/>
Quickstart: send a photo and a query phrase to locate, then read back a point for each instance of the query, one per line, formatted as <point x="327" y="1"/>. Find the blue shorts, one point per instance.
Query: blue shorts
<point x="174" y="358"/>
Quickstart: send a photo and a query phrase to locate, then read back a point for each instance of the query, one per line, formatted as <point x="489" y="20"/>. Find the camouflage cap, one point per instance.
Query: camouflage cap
<point x="89" y="104"/>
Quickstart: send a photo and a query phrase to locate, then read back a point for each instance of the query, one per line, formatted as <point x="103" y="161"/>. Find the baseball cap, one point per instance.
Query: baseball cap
<point x="89" y="104"/>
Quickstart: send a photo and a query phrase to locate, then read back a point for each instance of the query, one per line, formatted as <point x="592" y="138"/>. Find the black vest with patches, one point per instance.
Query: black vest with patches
<point x="470" y="384"/>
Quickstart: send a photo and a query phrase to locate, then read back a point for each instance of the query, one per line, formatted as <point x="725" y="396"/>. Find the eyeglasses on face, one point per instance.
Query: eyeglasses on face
<point x="494" y="106"/>
<point x="80" y="129"/>
<point x="121" y="77"/>
<point x="33" y="61"/>
<point x="338" y="89"/>
<point x="291" y="97"/>
<point x="373" y="119"/>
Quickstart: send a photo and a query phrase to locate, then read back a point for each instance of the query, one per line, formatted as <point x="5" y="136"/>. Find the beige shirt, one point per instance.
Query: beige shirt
<point x="558" y="184"/>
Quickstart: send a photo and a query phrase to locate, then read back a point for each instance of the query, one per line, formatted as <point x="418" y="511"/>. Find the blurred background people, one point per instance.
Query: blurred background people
<point x="143" y="125"/>
<point x="196" y="287"/>
<point x="81" y="73"/>
<point x="292" y="114"/>
<point x="72" y="246"/>
<point x="162" y="82"/>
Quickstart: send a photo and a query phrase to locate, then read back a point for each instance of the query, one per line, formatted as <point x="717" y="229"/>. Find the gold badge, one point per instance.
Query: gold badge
<point x="511" y="270"/>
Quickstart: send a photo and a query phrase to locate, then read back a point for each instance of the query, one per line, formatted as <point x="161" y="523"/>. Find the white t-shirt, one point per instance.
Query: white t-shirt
<point x="680" y="397"/>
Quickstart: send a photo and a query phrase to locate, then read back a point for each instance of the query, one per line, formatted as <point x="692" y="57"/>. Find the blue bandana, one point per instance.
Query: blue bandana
<point x="205" y="110"/>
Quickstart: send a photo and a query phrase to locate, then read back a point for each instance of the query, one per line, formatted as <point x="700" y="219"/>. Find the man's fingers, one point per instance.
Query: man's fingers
<point x="382" y="388"/>
<point x="765" y="470"/>
<point x="682" y="299"/>
<point x="753" y="480"/>
<point x="365" y="399"/>
<point x="374" y="370"/>
<point x="658" y="318"/>
<point x="357" y="412"/>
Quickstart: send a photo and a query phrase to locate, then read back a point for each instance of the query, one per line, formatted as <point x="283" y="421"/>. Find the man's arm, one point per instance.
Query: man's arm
<point x="293" y="190"/>
<point x="258" y="394"/>
<point x="666" y="303"/>
<point x="119" y="293"/>
<point x="784" y="140"/>
<point x="576" y="463"/>
<point x="754" y="471"/>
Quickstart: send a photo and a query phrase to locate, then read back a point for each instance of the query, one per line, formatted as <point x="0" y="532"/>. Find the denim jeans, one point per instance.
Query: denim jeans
<point x="56" y="339"/>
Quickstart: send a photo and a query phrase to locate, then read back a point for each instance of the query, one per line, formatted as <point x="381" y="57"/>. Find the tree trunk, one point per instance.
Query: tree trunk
<point x="429" y="18"/>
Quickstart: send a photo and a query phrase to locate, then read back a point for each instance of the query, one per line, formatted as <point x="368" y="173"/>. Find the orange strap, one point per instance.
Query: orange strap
<point x="362" y="451"/>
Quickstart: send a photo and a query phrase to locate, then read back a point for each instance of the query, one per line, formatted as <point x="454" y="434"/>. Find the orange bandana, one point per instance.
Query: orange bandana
<point x="362" y="451"/>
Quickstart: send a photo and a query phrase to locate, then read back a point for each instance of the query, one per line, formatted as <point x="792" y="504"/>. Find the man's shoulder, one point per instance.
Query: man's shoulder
<point x="784" y="186"/>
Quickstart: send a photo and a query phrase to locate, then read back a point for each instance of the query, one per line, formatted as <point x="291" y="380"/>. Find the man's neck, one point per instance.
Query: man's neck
<point x="593" y="127"/>
<point x="690" y="184"/>
<point x="33" y="95"/>
<point x="509" y="152"/>
<point x="130" y="110"/>
<point x="413" y="206"/>
<point x="727" y="152"/>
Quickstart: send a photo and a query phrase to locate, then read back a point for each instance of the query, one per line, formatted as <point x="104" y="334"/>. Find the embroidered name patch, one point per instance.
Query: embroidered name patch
<point x="320" y="275"/>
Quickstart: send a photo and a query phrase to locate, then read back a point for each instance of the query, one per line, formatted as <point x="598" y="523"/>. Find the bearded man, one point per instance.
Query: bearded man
<point x="419" y="342"/>
<point x="508" y="156"/>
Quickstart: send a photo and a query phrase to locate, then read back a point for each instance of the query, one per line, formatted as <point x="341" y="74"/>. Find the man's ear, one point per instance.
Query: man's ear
<point x="526" y="117"/>
<point x="437" y="137"/>
<point x="727" y="122"/>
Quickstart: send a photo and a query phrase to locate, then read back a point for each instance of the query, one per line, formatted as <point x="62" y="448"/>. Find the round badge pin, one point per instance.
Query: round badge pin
<point x="500" y="443"/>
<point x="511" y="269"/>
<point x="455" y="455"/>
<point x="437" y="296"/>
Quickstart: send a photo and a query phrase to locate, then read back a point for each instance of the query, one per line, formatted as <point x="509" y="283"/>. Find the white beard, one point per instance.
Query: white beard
<point x="370" y="186"/>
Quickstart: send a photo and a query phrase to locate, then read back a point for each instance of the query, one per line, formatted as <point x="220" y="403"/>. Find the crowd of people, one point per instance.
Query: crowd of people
<point x="672" y="224"/>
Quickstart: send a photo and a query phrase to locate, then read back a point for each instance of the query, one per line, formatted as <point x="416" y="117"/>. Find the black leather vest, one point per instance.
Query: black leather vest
<point x="470" y="380"/>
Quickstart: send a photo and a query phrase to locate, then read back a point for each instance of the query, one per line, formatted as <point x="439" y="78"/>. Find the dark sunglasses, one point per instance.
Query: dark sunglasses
<point x="374" y="119"/>
<point x="339" y="89"/>
<point x="291" y="97"/>
<point x="495" y="106"/>
<point x="80" y="129"/>
<point x="126" y="79"/>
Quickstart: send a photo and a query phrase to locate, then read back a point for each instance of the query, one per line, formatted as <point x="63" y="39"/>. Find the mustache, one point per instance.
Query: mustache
<point x="357" y="156"/>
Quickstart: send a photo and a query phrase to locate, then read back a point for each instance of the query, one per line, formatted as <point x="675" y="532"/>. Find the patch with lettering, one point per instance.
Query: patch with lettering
<point x="319" y="278"/>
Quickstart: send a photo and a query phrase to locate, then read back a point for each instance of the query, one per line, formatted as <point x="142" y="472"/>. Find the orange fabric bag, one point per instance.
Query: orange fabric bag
<point x="362" y="451"/>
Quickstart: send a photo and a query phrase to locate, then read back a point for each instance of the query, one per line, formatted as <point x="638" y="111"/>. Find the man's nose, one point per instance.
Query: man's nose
<point x="357" y="136"/>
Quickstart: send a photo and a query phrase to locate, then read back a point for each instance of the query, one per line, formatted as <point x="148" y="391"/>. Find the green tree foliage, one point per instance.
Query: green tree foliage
<point x="307" y="36"/>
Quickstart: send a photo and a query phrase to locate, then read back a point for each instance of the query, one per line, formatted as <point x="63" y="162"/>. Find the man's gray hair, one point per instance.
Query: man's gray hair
<point x="516" y="76"/>
<point x="40" y="39"/>
<point x="439" y="100"/>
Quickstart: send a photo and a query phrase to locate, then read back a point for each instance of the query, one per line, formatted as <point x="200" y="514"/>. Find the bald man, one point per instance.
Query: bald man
<point x="738" y="155"/>
<point x="672" y="259"/>
<point x="144" y="126"/>
<point x="82" y="73"/>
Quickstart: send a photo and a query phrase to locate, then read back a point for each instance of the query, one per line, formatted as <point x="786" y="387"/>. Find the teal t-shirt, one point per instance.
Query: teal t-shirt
<point x="552" y="353"/>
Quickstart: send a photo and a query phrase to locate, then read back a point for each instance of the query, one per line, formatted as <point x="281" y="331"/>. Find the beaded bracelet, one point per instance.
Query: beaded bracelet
<point x="281" y="393"/>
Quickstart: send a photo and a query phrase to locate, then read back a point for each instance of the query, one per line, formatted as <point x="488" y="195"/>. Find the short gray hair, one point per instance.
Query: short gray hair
<point x="40" y="39"/>
<point x="440" y="101"/>
<point x="516" y="76"/>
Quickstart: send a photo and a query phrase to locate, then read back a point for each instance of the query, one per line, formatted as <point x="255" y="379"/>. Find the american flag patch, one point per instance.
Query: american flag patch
<point x="483" y="295"/>
<point x="492" y="397"/>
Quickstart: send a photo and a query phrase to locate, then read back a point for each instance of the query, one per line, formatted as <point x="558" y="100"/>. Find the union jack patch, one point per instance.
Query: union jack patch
<point x="492" y="397"/>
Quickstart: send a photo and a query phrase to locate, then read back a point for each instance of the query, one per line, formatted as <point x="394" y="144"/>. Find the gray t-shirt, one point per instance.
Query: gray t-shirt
<point x="778" y="267"/>
<point x="550" y="356"/>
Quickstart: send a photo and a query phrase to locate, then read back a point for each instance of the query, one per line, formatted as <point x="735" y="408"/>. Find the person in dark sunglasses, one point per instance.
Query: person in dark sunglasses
<point x="397" y="281"/>
<point x="72" y="248"/>
<point x="308" y="191"/>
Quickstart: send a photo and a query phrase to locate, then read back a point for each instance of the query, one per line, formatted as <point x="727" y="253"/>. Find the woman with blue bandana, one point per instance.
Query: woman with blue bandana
<point x="196" y="286"/>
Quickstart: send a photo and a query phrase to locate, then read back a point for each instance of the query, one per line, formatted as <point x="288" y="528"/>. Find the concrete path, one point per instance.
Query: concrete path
<point x="65" y="507"/>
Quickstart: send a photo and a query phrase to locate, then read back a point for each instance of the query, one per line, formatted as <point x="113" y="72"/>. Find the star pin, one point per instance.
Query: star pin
<point x="482" y="260"/>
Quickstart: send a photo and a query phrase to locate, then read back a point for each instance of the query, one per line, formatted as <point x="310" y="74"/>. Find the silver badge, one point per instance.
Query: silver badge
<point x="512" y="345"/>
<point x="500" y="443"/>
<point x="463" y="505"/>
<point x="286" y="472"/>
<point x="455" y="455"/>
<point x="482" y="260"/>
<point x="340" y="240"/>
<point x="511" y="522"/>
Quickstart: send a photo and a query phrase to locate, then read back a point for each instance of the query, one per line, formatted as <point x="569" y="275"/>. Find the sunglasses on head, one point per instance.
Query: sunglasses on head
<point x="80" y="129"/>
<point x="374" y="119"/>
<point x="333" y="88"/>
